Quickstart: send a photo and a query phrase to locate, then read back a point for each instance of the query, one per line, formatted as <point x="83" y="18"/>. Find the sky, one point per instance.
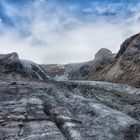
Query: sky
<point x="66" y="31"/>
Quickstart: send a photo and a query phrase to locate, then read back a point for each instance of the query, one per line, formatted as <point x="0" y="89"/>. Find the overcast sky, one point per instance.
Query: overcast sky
<point x="65" y="31"/>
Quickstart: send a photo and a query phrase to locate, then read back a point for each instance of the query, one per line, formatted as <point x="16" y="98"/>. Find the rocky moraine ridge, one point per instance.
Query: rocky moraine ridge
<point x="56" y="102"/>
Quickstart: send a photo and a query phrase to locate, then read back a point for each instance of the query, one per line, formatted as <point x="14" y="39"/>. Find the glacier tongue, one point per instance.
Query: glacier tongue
<point x="68" y="110"/>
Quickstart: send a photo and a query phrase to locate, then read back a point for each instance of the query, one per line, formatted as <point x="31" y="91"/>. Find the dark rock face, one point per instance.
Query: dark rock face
<point x="11" y="66"/>
<point x="68" y="111"/>
<point x="132" y="42"/>
<point x="10" y="63"/>
<point x="125" y="68"/>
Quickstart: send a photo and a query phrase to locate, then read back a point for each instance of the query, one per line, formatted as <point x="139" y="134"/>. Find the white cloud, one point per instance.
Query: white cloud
<point x="55" y="35"/>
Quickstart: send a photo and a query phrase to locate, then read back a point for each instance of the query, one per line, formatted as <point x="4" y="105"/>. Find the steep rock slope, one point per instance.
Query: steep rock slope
<point x="126" y="66"/>
<point x="123" y="67"/>
<point x="12" y="67"/>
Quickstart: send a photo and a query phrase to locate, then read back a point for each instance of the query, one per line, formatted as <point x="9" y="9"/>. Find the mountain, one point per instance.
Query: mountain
<point x="39" y="102"/>
<point x="12" y="67"/>
<point x="81" y="71"/>
<point x="125" y="67"/>
<point x="122" y="67"/>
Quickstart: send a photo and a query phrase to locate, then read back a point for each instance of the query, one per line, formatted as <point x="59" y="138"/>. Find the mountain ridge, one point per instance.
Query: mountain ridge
<point x="11" y="67"/>
<point x="106" y="66"/>
<point x="109" y="67"/>
<point x="36" y="104"/>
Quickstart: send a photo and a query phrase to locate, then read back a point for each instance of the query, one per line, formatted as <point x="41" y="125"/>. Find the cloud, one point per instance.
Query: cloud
<point x="47" y="32"/>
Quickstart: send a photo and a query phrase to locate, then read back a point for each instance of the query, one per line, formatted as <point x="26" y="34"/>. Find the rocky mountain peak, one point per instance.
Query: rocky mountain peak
<point x="10" y="56"/>
<point x="13" y="56"/>
<point x="103" y="53"/>
<point x="10" y="64"/>
<point x="130" y="46"/>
